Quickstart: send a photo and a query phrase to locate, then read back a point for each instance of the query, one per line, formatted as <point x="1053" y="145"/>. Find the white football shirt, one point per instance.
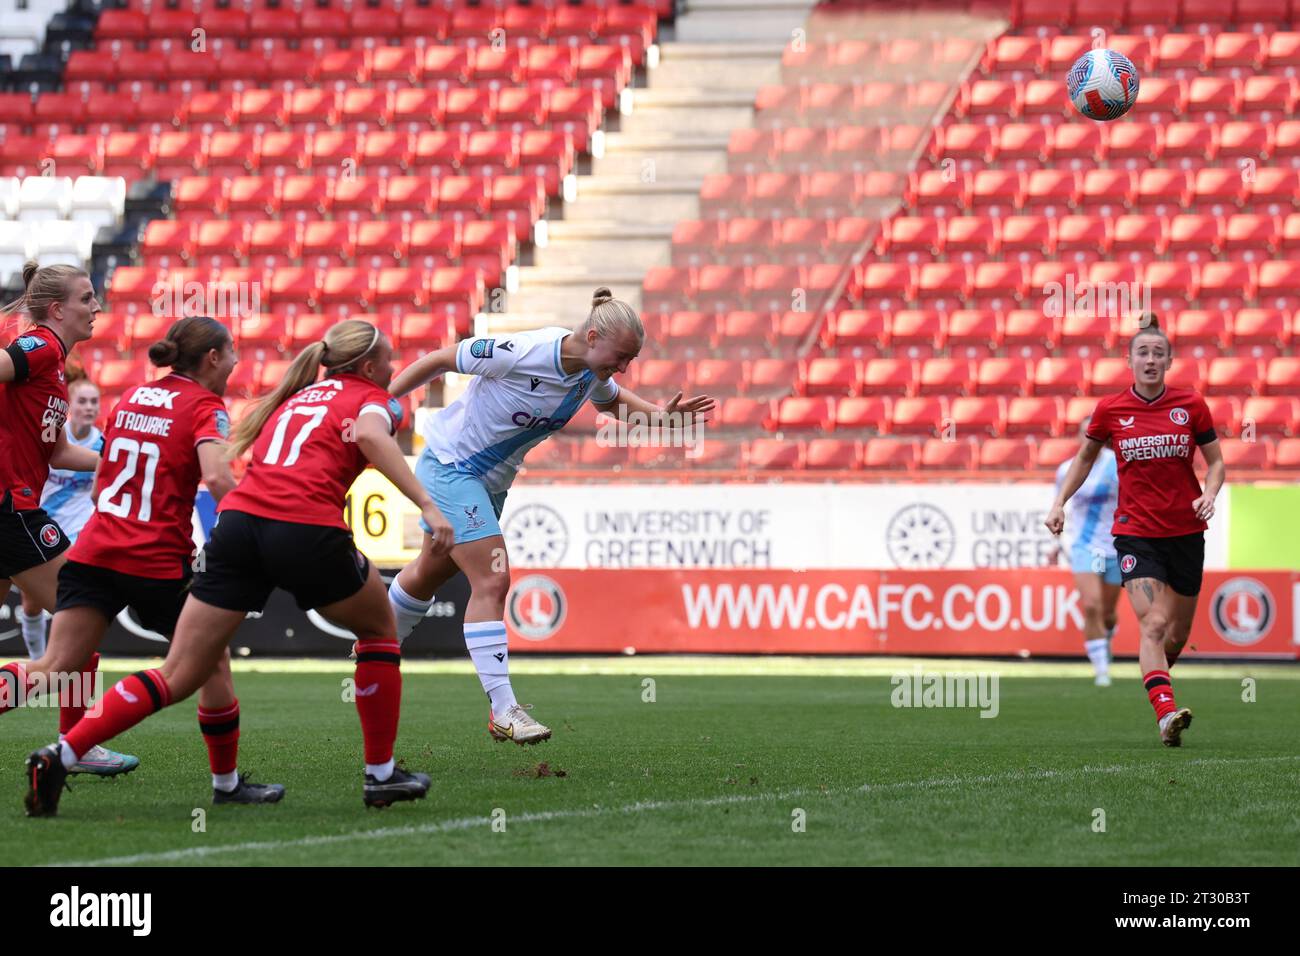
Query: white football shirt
<point x="519" y="395"/>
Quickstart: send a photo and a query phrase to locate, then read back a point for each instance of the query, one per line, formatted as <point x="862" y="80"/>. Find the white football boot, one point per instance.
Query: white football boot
<point x="515" y="724"/>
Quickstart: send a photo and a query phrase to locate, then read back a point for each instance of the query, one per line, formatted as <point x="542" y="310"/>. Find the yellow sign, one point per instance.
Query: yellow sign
<point x="385" y="524"/>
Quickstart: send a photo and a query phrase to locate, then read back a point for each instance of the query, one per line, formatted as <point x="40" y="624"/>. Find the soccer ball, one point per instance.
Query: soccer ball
<point x="1103" y="84"/>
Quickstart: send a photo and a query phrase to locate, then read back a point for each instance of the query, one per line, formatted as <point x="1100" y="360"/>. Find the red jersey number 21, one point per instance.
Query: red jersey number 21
<point x="314" y="415"/>
<point x="132" y="450"/>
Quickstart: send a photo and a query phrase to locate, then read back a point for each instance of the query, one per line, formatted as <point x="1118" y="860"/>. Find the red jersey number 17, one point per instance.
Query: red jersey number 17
<point x="314" y="415"/>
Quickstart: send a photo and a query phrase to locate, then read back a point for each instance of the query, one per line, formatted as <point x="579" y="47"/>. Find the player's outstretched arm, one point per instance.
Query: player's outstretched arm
<point x="215" y="468"/>
<point x="383" y="452"/>
<point x="424" y="369"/>
<point x="1074" y="479"/>
<point x="72" y="457"/>
<point x="1218" y="471"/>
<point x="677" y="413"/>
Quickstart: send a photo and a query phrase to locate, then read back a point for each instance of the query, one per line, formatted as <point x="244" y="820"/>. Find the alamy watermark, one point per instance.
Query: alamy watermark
<point x="946" y="689"/>
<point x="54" y="689"/>
<point x="220" y="300"/>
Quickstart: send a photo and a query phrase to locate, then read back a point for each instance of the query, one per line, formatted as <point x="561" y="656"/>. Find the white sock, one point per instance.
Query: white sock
<point x="1099" y="653"/>
<point x="486" y="641"/>
<point x="33" y="633"/>
<point x="66" y="755"/>
<point x="225" y="782"/>
<point x="380" y="771"/>
<point x="409" y="611"/>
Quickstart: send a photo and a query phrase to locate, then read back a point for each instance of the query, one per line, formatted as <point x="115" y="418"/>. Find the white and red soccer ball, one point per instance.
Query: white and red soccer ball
<point x="1102" y="84"/>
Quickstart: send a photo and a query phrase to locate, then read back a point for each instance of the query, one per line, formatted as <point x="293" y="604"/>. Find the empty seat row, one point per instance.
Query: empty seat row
<point x="982" y="416"/>
<point x="124" y="332"/>
<point x="1170" y="284"/>
<point x="411" y="110"/>
<point x="1164" y="53"/>
<point x="886" y="454"/>
<point x="1184" y="233"/>
<point x="433" y="22"/>
<point x="1127" y="144"/>
<point x="1223" y="375"/>
<point x="1059" y="190"/>
<point x="388" y="66"/>
<point x="1161" y="14"/>
<point x="299" y="287"/>
<point x="1214" y="328"/>
<point x="518" y="199"/>
<point x="169" y="155"/>
<point x="280" y="242"/>
<point x="996" y="191"/>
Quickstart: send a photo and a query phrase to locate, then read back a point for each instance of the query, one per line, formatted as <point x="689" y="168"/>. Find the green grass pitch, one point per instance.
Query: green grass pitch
<point x="714" y="771"/>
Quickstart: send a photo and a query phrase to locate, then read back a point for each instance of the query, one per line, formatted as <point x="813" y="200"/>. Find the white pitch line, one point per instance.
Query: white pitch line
<point x="468" y="823"/>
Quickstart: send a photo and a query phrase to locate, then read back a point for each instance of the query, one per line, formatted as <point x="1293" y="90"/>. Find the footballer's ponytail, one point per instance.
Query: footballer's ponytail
<point x="344" y="345"/>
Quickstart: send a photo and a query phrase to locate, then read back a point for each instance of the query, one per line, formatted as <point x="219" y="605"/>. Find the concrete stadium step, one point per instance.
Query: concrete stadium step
<point x="633" y="245"/>
<point x="716" y="66"/>
<point x="602" y="199"/>
<point x="687" y="111"/>
<point x="741" y="20"/>
<point x="660" y="157"/>
<point x="567" y="292"/>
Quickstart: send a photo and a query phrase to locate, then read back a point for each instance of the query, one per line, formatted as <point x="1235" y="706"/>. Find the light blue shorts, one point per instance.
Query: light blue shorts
<point x="472" y="509"/>
<point x="1083" y="561"/>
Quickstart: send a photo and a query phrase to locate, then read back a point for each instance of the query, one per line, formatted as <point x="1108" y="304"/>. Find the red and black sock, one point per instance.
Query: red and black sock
<point x="1160" y="692"/>
<point x="73" y="700"/>
<point x="379" y="696"/>
<point x="14" y="685"/>
<point x="130" y="701"/>
<point x="220" y="729"/>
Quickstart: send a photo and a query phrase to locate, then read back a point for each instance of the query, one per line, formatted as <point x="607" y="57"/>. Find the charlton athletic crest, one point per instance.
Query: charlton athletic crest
<point x="1178" y="416"/>
<point x="536" y="607"/>
<point x="1127" y="563"/>
<point x="50" y="535"/>
<point x="1242" y="611"/>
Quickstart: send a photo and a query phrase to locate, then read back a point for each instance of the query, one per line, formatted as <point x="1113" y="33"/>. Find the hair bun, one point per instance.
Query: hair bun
<point x="601" y="296"/>
<point x="1149" y="320"/>
<point x="30" y="268"/>
<point x="164" y="352"/>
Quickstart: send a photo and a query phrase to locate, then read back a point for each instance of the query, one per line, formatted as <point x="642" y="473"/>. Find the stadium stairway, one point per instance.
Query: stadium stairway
<point x="671" y="133"/>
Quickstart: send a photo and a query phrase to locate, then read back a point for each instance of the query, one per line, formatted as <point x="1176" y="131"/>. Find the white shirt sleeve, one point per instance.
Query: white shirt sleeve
<point x="602" y="393"/>
<point x="376" y="409"/>
<point x="492" y="357"/>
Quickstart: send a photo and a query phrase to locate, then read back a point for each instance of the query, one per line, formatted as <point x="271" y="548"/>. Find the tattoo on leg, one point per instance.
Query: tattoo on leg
<point x="1146" y="589"/>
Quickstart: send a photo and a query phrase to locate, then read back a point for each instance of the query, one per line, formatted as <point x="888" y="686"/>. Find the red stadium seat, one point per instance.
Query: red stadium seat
<point x="945" y="376"/>
<point x="832" y="453"/>
<point x="1271" y="415"/>
<point x="980" y="415"/>
<point x="800" y="414"/>
<point x="1282" y="376"/>
<point x="891" y="454"/>
<point x="866" y="412"/>
<point x="742" y="413"/>
<point x="917" y="416"/>
<point x="1005" y="454"/>
<point x="1036" y="416"/>
<point x="940" y="454"/>
<point x="1002" y="376"/>
<point x="828" y="376"/>
<point x="1287" y="454"/>
<point x="1059" y="376"/>
<point x="888" y="376"/>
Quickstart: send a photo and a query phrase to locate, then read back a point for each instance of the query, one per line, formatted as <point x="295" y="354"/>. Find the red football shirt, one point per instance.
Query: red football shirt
<point x="306" y="457"/>
<point x="33" y="408"/>
<point x="1154" y="441"/>
<point x="148" y="476"/>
